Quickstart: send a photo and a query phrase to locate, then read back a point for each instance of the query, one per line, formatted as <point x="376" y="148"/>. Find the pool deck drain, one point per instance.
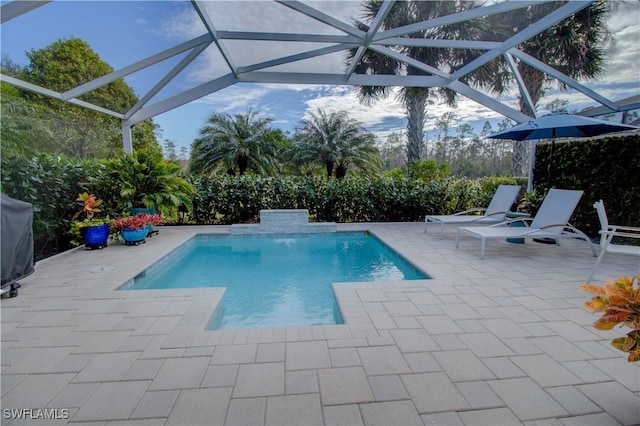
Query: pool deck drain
<point x="496" y="341"/>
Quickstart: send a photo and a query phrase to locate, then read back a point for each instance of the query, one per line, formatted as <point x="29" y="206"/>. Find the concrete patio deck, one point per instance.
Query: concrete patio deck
<point x="500" y="341"/>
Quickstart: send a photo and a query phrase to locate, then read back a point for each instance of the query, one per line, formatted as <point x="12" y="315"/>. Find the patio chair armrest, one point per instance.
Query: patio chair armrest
<point x="555" y="225"/>
<point x="616" y="228"/>
<point x="480" y="217"/>
<point x="525" y="220"/>
<point x="473" y="210"/>
<point x="496" y="213"/>
<point x="620" y="234"/>
<point x="510" y="221"/>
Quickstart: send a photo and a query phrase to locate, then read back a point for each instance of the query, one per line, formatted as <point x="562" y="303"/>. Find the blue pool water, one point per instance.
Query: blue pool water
<point x="276" y="281"/>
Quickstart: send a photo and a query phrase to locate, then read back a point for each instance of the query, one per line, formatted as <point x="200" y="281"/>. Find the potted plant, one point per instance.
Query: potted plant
<point x="530" y="203"/>
<point x="619" y="303"/>
<point x="134" y="229"/>
<point x="144" y="182"/>
<point x="92" y="231"/>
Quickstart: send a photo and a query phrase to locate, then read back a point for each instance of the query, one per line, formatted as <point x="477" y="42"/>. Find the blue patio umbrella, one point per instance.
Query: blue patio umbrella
<point x="557" y="125"/>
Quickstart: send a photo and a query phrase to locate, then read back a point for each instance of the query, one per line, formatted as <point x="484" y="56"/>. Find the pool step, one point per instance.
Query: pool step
<point x="292" y="221"/>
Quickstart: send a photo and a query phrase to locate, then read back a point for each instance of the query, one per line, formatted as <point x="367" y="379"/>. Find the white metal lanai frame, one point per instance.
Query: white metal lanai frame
<point x="349" y="37"/>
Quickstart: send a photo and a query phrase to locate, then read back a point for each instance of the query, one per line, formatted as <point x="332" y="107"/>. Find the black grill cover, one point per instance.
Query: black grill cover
<point x="16" y="237"/>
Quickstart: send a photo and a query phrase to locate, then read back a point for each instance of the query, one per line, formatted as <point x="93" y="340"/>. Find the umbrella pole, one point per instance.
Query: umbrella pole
<point x="553" y="144"/>
<point x="532" y="160"/>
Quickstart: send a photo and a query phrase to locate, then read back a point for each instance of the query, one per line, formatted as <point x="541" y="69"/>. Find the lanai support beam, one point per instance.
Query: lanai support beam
<point x="293" y="37"/>
<point x="166" y="79"/>
<point x="127" y="139"/>
<point x="488" y="101"/>
<point x="626" y="104"/>
<point x="532" y="30"/>
<point x="208" y="23"/>
<point x="440" y="43"/>
<point x="16" y="8"/>
<point x="322" y="17"/>
<point x="56" y="95"/>
<point x="410" y="61"/>
<point x="371" y="32"/>
<point x="183" y="98"/>
<point x="521" y="85"/>
<point x="563" y="78"/>
<point x="297" y="57"/>
<point x="455" y="18"/>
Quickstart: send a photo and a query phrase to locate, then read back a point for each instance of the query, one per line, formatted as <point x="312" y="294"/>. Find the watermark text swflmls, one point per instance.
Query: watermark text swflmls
<point x="36" y="413"/>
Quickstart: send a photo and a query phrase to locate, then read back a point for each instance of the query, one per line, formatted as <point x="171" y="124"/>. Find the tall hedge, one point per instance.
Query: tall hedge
<point x="605" y="168"/>
<point x="228" y="200"/>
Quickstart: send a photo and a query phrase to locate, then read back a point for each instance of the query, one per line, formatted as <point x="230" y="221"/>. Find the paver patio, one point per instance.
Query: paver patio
<point x="497" y="341"/>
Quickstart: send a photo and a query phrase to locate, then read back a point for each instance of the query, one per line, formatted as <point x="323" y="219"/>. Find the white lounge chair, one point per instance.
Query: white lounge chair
<point x="551" y="221"/>
<point x="608" y="233"/>
<point x="500" y="204"/>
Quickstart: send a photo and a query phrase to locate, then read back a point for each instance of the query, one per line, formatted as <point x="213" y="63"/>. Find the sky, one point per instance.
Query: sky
<point x="123" y="32"/>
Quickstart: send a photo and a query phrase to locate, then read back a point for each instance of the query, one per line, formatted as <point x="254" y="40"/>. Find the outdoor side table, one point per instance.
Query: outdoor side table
<point x="518" y="224"/>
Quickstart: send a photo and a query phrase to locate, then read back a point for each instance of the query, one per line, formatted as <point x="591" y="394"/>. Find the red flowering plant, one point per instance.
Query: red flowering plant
<point x="619" y="303"/>
<point x="136" y="222"/>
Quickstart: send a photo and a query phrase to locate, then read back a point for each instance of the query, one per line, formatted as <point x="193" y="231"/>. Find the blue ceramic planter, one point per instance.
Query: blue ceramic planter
<point x="148" y="210"/>
<point x="134" y="236"/>
<point x="95" y="236"/>
<point x="135" y="210"/>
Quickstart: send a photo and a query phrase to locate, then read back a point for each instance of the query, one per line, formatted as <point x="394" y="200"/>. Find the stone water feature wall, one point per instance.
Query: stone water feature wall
<point x="292" y="221"/>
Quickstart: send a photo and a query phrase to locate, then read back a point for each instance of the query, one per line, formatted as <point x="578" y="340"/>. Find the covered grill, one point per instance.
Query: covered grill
<point x="16" y="237"/>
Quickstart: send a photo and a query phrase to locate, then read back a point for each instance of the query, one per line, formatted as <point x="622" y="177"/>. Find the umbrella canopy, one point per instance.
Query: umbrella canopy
<point x="561" y="126"/>
<point x="554" y="126"/>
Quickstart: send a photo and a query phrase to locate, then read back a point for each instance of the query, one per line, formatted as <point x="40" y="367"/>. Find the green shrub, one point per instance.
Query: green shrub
<point x="228" y="200"/>
<point x="427" y="170"/>
<point x="52" y="185"/>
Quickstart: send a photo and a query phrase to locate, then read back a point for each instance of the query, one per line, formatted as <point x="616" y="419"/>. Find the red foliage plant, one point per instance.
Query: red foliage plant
<point x="136" y="222"/>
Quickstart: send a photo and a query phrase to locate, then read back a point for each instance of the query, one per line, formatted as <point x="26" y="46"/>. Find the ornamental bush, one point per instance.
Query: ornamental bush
<point x="227" y="200"/>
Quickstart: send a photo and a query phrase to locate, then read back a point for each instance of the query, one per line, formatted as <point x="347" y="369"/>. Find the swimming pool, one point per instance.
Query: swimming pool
<point x="276" y="280"/>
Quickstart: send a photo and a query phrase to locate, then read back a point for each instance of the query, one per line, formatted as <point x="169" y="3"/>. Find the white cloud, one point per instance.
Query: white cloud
<point x="237" y="97"/>
<point x="183" y="24"/>
<point x="348" y="101"/>
<point x="623" y="62"/>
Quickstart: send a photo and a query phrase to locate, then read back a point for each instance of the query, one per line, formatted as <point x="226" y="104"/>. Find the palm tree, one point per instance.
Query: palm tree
<point x="576" y="47"/>
<point x="335" y="141"/>
<point x="236" y="144"/>
<point x="416" y="99"/>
